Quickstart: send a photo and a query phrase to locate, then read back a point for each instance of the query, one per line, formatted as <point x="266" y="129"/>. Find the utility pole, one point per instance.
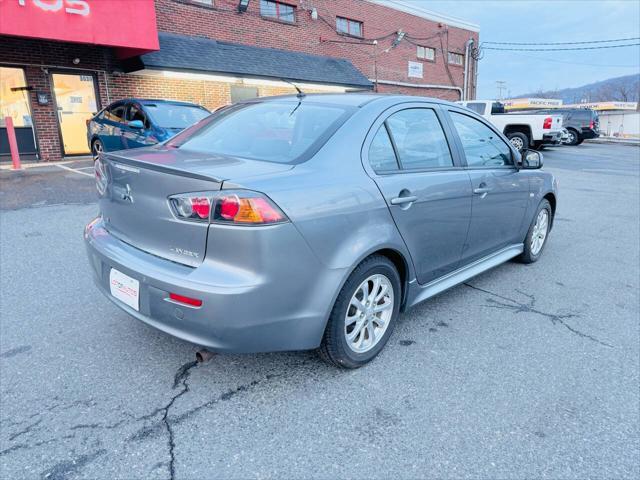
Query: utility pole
<point x="501" y="85"/>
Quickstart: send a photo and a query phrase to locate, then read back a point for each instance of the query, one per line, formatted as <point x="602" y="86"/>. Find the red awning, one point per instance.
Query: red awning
<point x="128" y="26"/>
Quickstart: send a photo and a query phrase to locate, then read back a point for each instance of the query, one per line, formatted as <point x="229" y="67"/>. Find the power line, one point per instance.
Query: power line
<point x="553" y="60"/>
<point x="564" y="43"/>
<point x="559" y="49"/>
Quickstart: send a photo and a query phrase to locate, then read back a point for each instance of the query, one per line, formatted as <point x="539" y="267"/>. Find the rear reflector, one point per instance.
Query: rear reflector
<point x="193" y="302"/>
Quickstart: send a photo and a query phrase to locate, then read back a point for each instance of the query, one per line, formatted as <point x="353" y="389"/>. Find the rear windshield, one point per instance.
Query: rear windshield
<point x="171" y="115"/>
<point x="282" y="132"/>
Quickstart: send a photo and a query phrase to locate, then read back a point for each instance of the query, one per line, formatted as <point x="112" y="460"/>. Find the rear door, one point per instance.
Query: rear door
<point x="500" y="191"/>
<point x="427" y="190"/>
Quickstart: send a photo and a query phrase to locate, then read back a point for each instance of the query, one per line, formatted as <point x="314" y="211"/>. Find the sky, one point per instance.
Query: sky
<point x="548" y="21"/>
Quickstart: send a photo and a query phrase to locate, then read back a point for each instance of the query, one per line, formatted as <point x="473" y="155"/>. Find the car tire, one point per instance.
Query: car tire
<point x="349" y="343"/>
<point x="519" y="140"/>
<point x="574" y="138"/>
<point x="537" y="234"/>
<point x="96" y="149"/>
<point x="580" y="140"/>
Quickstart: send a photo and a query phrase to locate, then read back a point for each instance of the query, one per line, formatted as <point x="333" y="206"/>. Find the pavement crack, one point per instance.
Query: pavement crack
<point x="181" y="378"/>
<point x="98" y="426"/>
<point x="29" y="446"/>
<point x="223" y="397"/>
<point x="25" y="430"/>
<point x="519" y="307"/>
<point x="150" y="431"/>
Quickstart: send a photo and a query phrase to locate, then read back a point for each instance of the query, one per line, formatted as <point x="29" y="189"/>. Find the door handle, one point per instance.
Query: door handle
<point x="403" y="200"/>
<point x="481" y="190"/>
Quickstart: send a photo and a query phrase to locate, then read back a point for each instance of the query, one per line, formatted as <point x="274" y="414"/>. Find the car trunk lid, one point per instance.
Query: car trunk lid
<point x="136" y="208"/>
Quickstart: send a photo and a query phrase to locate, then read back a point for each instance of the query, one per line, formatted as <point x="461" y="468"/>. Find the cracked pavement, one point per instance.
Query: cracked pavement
<point x="524" y="371"/>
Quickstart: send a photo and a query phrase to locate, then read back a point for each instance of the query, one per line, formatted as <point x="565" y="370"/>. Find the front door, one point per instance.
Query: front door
<point x="428" y="194"/>
<point x="500" y="191"/>
<point x="76" y="103"/>
<point x="136" y="137"/>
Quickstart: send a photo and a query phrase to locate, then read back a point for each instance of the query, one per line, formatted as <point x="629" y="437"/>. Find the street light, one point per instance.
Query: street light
<point x="243" y="5"/>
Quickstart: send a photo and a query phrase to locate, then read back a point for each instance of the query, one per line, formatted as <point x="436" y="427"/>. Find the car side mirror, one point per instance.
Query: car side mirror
<point x="137" y="124"/>
<point x="530" y="160"/>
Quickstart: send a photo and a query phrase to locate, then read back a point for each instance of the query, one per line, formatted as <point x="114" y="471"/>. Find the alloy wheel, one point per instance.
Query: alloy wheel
<point x="517" y="143"/>
<point x="369" y="313"/>
<point x="540" y="231"/>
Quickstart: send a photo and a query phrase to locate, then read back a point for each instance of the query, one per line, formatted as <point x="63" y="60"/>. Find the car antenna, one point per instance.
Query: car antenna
<point x="300" y="94"/>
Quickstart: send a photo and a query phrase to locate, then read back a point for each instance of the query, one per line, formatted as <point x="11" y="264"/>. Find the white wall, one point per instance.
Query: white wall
<point x="620" y="123"/>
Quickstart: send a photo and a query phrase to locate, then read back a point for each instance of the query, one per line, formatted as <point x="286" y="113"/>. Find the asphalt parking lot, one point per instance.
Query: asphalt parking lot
<point x="525" y="371"/>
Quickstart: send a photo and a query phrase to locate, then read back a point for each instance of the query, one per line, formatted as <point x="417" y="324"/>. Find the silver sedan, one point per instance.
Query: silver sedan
<point x="312" y="221"/>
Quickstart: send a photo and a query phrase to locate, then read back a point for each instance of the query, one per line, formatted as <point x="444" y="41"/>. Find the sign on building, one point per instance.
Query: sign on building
<point x="518" y="103"/>
<point x="415" y="70"/>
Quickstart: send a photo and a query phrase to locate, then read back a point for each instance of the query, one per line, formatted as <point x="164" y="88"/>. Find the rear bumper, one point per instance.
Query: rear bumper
<point x="553" y="138"/>
<point x="588" y="133"/>
<point x="264" y="307"/>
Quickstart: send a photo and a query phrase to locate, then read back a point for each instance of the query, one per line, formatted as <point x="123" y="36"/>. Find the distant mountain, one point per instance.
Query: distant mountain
<point x="619" y="89"/>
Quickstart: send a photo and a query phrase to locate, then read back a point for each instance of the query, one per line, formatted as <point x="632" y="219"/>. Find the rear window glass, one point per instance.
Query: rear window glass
<point x="282" y="132"/>
<point x="169" y="115"/>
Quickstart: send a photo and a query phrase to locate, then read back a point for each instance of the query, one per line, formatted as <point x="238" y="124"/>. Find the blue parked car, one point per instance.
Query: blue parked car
<point x="134" y="123"/>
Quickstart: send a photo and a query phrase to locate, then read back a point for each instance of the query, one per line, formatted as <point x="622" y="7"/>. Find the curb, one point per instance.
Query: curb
<point x="629" y="141"/>
<point x="8" y="166"/>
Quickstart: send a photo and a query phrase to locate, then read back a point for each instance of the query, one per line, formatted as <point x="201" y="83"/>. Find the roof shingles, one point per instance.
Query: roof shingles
<point x="206" y="55"/>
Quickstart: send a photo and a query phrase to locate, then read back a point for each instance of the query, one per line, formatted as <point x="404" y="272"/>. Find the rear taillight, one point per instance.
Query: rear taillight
<point x="591" y="124"/>
<point x="195" y="206"/>
<point x="547" y="123"/>
<point x="235" y="207"/>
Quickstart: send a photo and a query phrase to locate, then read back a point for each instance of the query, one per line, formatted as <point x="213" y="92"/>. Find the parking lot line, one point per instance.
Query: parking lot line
<point x="64" y="167"/>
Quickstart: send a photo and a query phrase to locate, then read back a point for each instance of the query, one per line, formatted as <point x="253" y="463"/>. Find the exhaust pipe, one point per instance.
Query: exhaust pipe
<point x="204" y="355"/>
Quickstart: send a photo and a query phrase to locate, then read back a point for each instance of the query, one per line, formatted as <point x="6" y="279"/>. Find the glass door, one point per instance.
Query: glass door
<point x="76" y="103"/>
<point x="14" y="103"/>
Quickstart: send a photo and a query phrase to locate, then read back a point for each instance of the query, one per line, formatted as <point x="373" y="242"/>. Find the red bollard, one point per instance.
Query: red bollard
<point x="13" y="144"/>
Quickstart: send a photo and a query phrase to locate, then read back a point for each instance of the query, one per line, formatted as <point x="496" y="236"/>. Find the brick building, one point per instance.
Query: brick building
<point x="62" y="60"/>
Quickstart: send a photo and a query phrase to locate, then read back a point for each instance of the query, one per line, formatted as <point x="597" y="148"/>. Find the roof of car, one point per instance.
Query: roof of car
<point x="146" y="101"/>
<point x="355" y="99"/>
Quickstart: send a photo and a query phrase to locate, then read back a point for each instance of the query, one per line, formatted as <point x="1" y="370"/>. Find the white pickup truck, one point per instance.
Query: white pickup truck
<point x="524" y="130"/>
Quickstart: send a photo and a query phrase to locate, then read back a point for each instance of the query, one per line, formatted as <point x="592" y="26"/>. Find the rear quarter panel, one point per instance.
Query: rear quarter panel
<point x="331" y="200"/>
<point x="541" y="183"/>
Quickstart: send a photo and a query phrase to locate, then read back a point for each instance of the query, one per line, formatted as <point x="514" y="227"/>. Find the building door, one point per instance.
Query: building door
<point x="76" y="103"/>
<point x="14" y="103"/>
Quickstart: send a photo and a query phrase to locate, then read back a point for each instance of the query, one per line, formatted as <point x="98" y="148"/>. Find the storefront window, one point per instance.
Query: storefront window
<point x="14" y="98"/>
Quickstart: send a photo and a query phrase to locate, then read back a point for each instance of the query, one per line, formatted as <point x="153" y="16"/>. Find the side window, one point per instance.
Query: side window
<point x="476" y="107"/>
<point x="116" y="112"/>
<point x="419" y="139"/>
<point x="381" y="155"/>
<point x="482" y="146"/>
<point x="136" y="113"/>
<point x="497" y="108"/>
